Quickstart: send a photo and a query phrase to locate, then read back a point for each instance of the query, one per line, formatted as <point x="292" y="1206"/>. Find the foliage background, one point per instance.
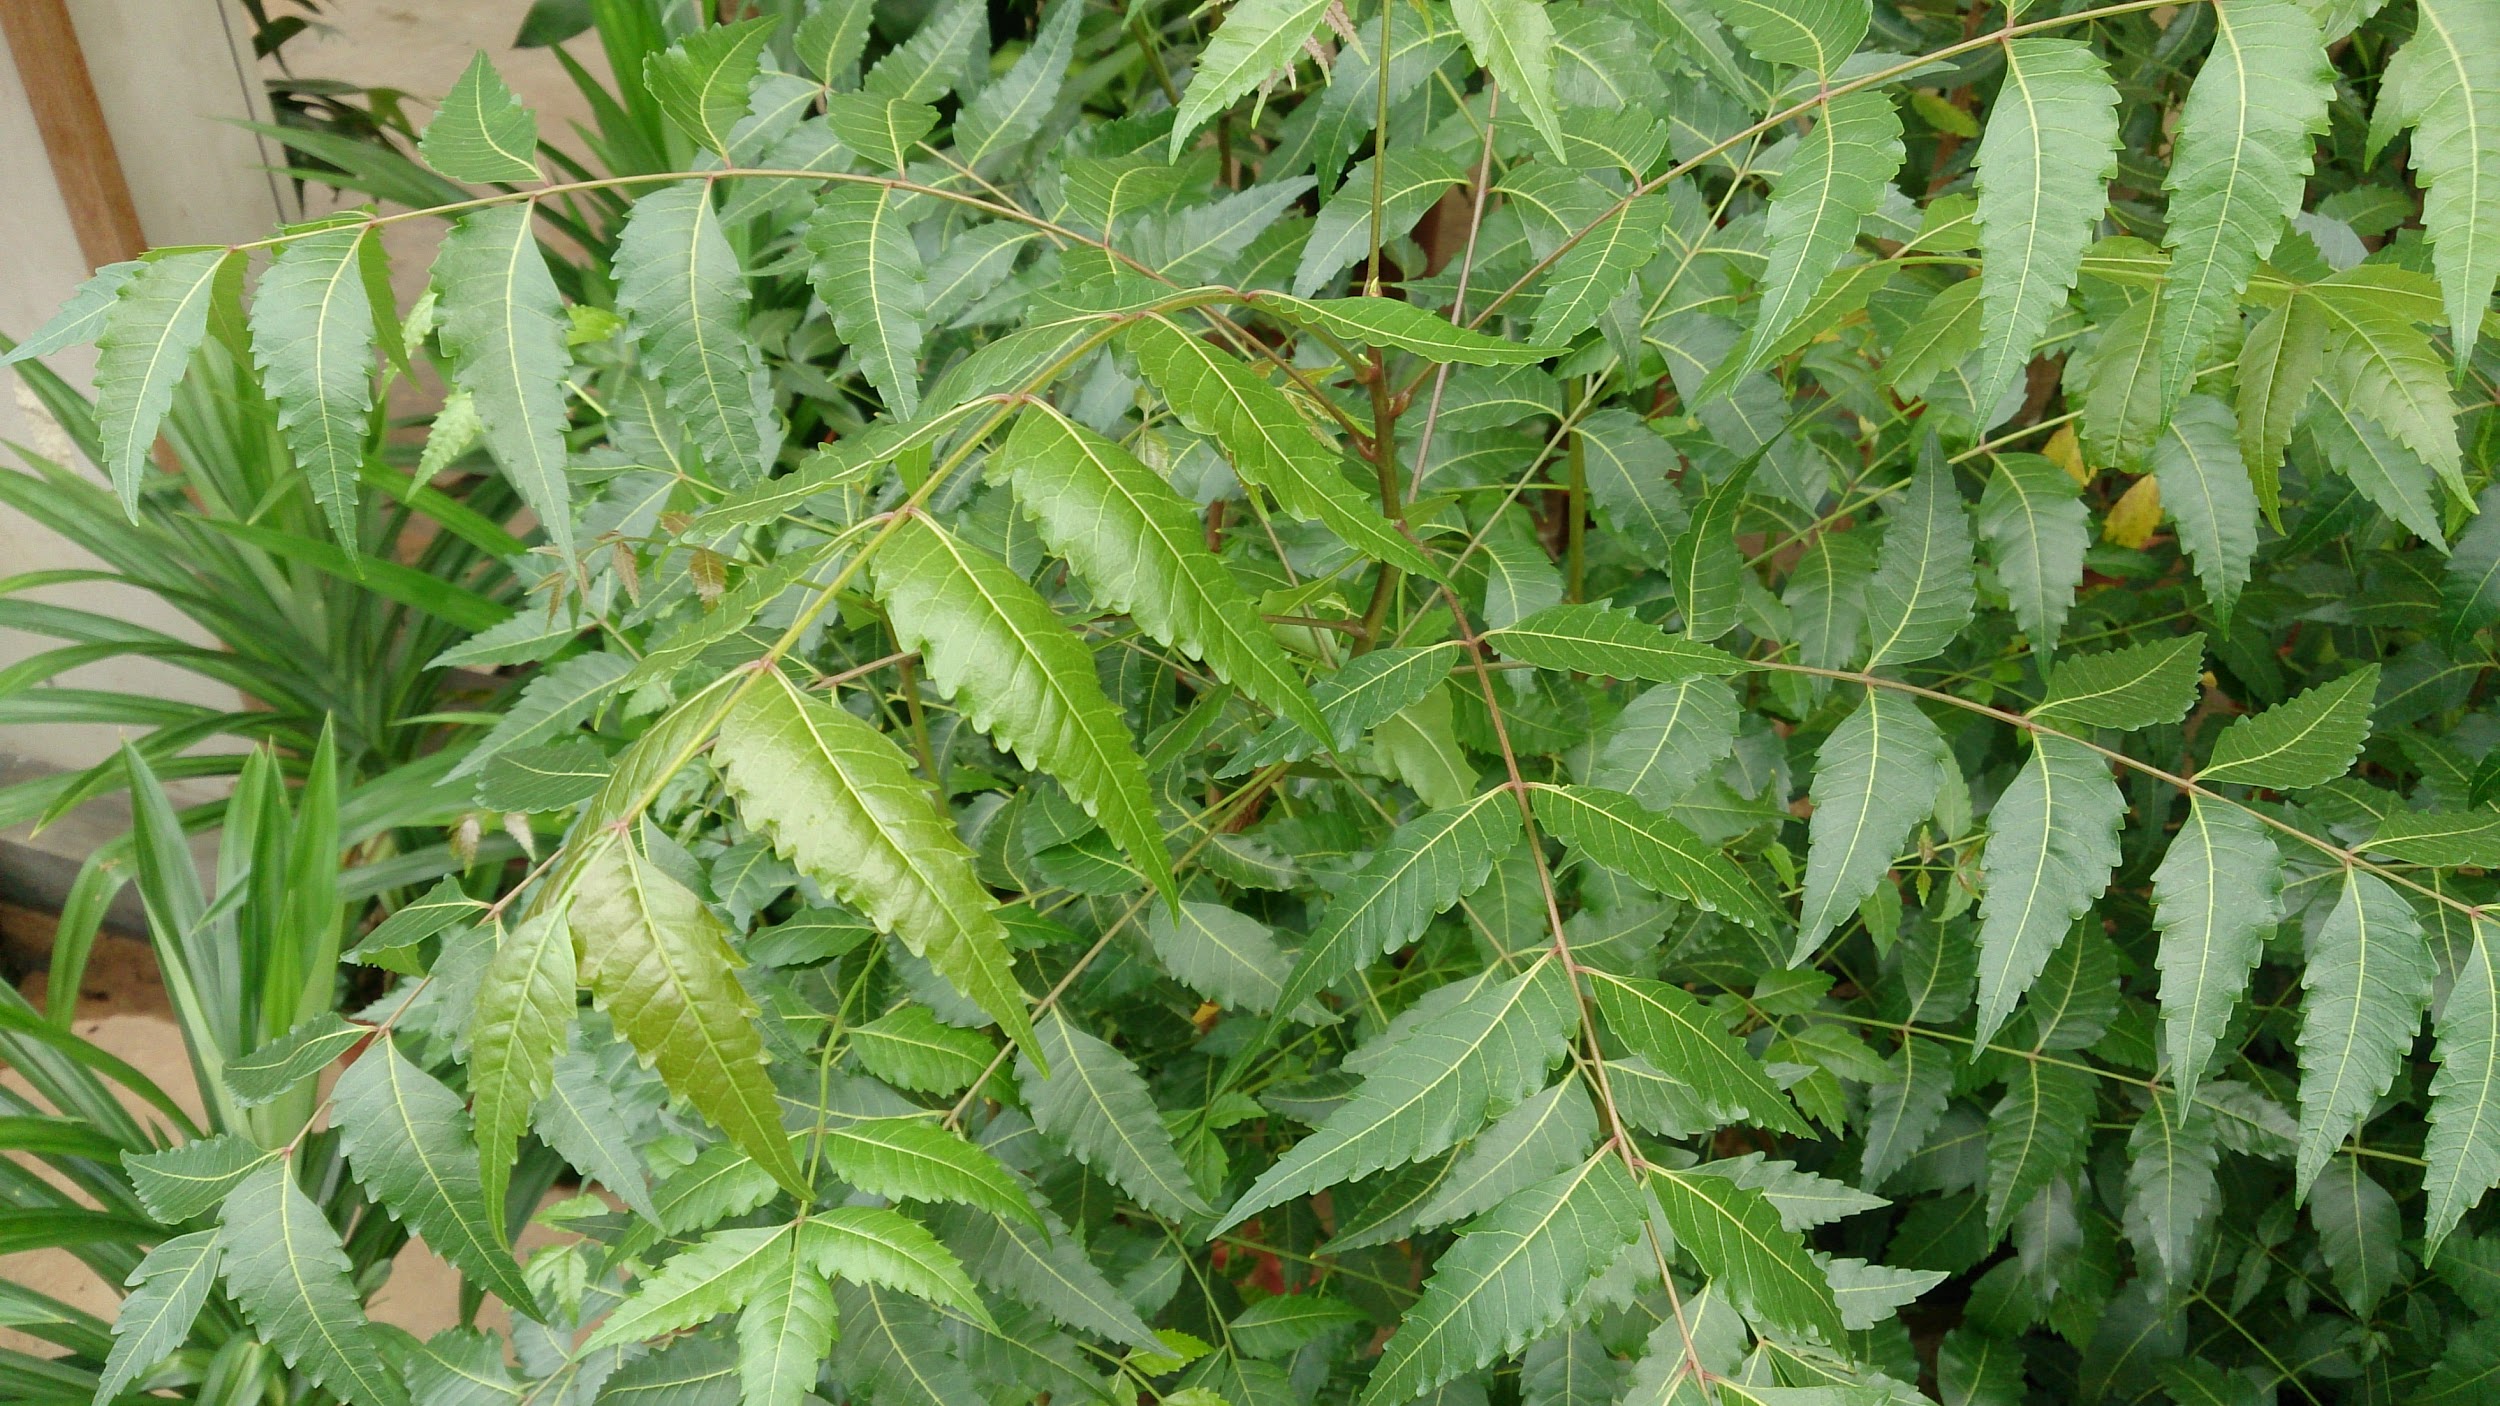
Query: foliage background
<point x="1754" y="702"/>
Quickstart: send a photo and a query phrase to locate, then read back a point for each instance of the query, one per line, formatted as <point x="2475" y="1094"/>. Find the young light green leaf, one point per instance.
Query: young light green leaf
<point x="701" y="82"/>
<point x="2311" y="738"/>
<point x="2463" y="1149"/>
<point x="1141" y="549"/>
<point x="1921" y="593"/>
<point x="503" y="326"/>
<point x="1510" y="1277"/>
<point x="660" y="964"/>
<point x="1874" y="778"/>
<point x="1835" y="179"/>
<point x="2036" y="526"/>
<point x="1657" y="852"/>
<point x="1682" y="1039"/>
<point x="524" y="1002"/>
<point x="1093" y="1102"/>
<point x="285" y="1267"/>
<point x="1735" y="1236"/>
<point x="2238" y="165"/>
<point x="481" y="132"/>
<point x="1609" y="643"/>
<point x="684" y="296"/>
<point x="2141" y="686"/>
<point x="1215" y="394"/>
<point x="2216" y="897"/>
<point x="2053" y="840"/>
<point x="1487" y="1051"/>
<point x="2445" y="84"/>
<point x="2204" y="487"/>
<point x="865" y="266"/>
<point x="409" y="1140"/>
<point x="2367" y="981"/>
<point x="2279" y="365"/>
<point x="312" y="337"/>
<point x="156" y="322"/>
<point x="2045" y="160"/>
<point x="996" y="648"/>
<point x="839" y="800"/>
<point x="167" y="1291"/>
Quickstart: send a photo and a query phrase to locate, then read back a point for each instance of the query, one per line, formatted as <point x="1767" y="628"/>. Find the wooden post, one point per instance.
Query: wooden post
<point x="79" y="146"/>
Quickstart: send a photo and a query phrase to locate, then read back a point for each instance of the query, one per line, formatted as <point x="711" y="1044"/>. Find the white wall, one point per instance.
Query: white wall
<point x="172" y="75"/>
<point x="171" y="79"/>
